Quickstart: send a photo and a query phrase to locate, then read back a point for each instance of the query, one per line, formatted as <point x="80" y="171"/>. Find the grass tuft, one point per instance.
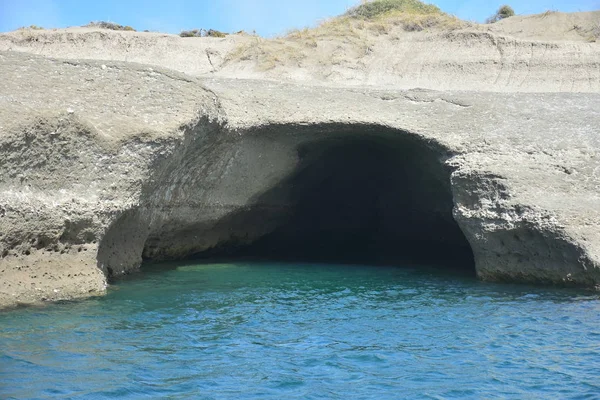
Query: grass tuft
<point x="110" y="25"/>
<point x="503" y="12"/>
<point x="378" y="8"/>
<point x="31" y="27"/>
<point x="347" y="38"/>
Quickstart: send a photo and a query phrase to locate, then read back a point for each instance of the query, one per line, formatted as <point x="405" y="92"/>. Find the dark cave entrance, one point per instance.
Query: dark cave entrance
<point x="361" y="199"/>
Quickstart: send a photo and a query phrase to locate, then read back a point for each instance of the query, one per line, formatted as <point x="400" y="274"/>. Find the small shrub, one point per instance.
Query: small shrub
<point x="203" y="33"/>
<point x="506" y="12"/>
<point x="215" y="33"/>
<point x="191" y="33"/>
<point x="110" y="25"/>
<point x="34" y="27"/>
<point x="502" y="13"/>
<point x="377" y="8"/>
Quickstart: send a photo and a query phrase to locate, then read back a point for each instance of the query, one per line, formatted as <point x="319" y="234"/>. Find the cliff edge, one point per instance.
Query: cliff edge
<point x="120" y="146"/>
<point x="550" y="52"/>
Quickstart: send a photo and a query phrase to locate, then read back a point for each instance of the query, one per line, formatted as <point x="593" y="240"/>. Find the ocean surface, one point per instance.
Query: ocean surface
<point x="305" y="331"/>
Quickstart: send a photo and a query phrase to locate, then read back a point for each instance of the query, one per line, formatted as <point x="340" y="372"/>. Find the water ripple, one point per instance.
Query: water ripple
<point x="305" y="331"/>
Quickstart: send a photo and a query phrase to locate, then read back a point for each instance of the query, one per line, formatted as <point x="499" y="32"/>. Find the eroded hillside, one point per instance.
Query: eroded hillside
<point x="550" y="52"/>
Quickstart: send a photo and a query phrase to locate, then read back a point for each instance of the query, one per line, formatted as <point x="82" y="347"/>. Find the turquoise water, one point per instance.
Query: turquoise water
<point x="305" y="331"/>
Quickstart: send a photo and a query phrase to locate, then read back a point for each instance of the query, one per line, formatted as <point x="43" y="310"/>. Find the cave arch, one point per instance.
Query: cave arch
<point x="335" y="193"/>
<point x="362" y="194"/>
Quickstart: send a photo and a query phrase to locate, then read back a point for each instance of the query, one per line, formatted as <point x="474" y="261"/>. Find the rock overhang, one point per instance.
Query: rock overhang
<point x="523" y="164"/>
<point x="320" y="192"/>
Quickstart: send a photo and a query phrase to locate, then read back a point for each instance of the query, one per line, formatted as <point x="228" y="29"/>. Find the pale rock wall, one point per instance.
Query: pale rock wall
<point x="100" y="163"/>
<point x="480" y="58"/>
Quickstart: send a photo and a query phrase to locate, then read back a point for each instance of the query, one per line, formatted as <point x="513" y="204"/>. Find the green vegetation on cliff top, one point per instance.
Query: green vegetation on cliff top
<point x="378" y="8"/>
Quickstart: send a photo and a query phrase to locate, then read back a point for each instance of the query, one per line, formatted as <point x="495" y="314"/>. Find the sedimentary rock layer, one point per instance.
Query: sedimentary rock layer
<point x="552" y="52"/>
<point x="102" y="164"/>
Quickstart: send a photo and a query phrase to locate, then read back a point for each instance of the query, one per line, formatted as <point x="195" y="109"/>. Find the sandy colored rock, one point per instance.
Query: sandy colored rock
<point x="550" y="52"/>
<point x="104" y="161"/>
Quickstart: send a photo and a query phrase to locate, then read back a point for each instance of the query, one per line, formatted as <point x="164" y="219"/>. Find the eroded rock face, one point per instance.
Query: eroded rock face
<point x="102" y="166"/>
<point x="330" y="192"/>
<point x="518" y="55"/>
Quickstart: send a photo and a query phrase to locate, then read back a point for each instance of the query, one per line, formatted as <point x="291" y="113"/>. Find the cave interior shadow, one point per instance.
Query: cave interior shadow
<point x="373" y="199"/>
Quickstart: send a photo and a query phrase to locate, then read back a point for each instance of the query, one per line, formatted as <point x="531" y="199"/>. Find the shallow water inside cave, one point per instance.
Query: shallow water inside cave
<point x="245" y="330"/>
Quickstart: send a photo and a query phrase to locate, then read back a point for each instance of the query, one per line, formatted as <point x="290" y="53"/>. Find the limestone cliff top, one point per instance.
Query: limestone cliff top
<point x="550" y="52"/>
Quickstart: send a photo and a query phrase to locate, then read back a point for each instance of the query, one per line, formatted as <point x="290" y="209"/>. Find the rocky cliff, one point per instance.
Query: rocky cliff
<point x="106" y="162"/>
<point x="550" y="52"/>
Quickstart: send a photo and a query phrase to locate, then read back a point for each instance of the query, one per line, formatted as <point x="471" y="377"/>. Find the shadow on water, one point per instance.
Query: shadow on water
<point x="425" y="280"/>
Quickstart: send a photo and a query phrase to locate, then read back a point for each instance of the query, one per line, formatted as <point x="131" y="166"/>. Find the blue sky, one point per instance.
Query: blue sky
<point x="267" y="17"/>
